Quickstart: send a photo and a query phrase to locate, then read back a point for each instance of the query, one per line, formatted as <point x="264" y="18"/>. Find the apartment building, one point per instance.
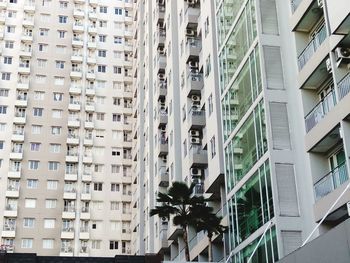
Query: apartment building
<point x="65" y="127"/>
<point x="321" y="30"/>
<point x="177" y="95"/>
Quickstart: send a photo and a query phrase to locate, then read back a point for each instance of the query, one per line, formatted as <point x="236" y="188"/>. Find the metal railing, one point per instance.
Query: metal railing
<point x="312" y="46"/>
<point x="331" y="181"/>
<point x="344" y="86"/>
<point x="320" y="110"/>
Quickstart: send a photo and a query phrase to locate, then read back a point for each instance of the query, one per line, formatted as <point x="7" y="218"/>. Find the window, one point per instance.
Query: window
<point x="57" y="96"/>
<point x="115" y="168"/>
<point x="40" y="79"/>
<point x="50" y="203"/>
<point x="10" y="29"/>
<point x="61" y="49"/>
<point x="98" y="168"/>
<point x="97" y="186"/>
<point x="30" y="203"/>
<point x="59" y="81"/>
<point x="52" y="184"/>
<point x="42" y="63"/>
<point x="63" y="4"/>
<point x="3" y="109"/>
<point x="102" y="23"/>
<point x="100" y="116"/>
<point x="57" y="114"/>
<point x="33" y="165"/>
<point x="5" y="76"/>
<point x="8" y="60"/>
<point x="55" y="130"/>
<point x="9" y="44"/>
<point x="102" y="38"/>
<point x="118" y="40"/>
<point x="39" y="95"/>
<point x="118" y="11"/>
<point x="102" y="53"/>
<point x="114" y="206"/>
<point x="103" y="9"/>
<point x="11" y="14"/>
<point x="61" y="34"/>
<point x="2" y="127"/>
<point x="212" y="147"/>
<point x="28" y="222"/>
<point x="44" y="32"/>
<point x="1" y="145"/>
<point x="62" y="19"/>
<point x="49" y="223"/>
<point x="27" y="243"/>
<point x="116" y="117"/>
<point x="117" y="70"/>
<point x="114" y="187"/>
<point x="55" y="148"/>
<point x="59" y="64"/>
<point x="207" y="66"/>
<point x="210" y="104"/>
<point x="48" y="243"/>
<point x="101" y="68"/>
<point x="96" y="244"/>
<point x="34" y="146"/>
<point x="37" y="112"/>
<point x="36" y="129"/>
<point x="42" y="47"/>
<point x="113" y="245"/>
<point x="53" y="166"/>
<point x="32" y="183"/>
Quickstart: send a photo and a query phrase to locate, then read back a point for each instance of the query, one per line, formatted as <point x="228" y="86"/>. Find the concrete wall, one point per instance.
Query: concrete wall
<point x="334" y="246"/>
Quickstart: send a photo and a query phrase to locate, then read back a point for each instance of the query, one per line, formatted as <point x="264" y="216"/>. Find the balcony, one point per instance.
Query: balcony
<point x="28" y="21"/>
<point x="26" y="52"/>
<point x="73" y="122"/>
<point x="196" y="118"/>
<point x="20" y="118"/>
<point x="24" y="68"/>
<point x="312" y="47"/>
<point x="161" y="62"/>
<point x="92" y="45"/>
<point x="163" y="177"/>
<point x="10" y="210"/>
<point x="29" y="7"/>
<point x="74" y="105"/>
<point x="73" y="139"/>
<point x="12" y="191"/>
<point x="87" y="176"/>
<point x="86" y="196"/>
<point x="76" y="74"/>
<point x="72" y="157"/>
<point x="68" y="212"/>
<point x="344" y="86"/>
<point x="93" y="2"/>
<point x="87" y="158"/>
<point x="14" y="173"/>
<point x="66" y="251"/>
<point x="27" y="37"/>
<point x="88" y="141"/>
<point x="191" y="15"/>
<point x="331" y="181"/>
<point x="193" y="47"/>
<point x="76" y="57"/>
<point x="163" y="147"/>
<point x="90" y="106"/>
<point x="71" y="175"/>
<point x="70" y="194"/>
<point x="75" y="90"/>
<point x="89" y="125"/>
<point x="91" y="60"/>
<point x="161" y="34"/>
<point x="92" y="15"/>
<point x="90" y="91"/>
<point x="197" y="156"/>
<point x="92" y="30"/>
<point x="18" y="136"/>
<point x="16" y="154"/>
<point x="90" y="75"/>
<point x="23" y="85"/>
<point x="79" y="13"/>
<point x="77" y="42"/>
<point x="9" y="230"/>
<point x="194" y="83"/>
<point x="84" y="235"/>
<point x="320" y="110"/>
<point x="160" y="13"/>
<point x="85" y="213"/>
<point x="163" y="118"/>
<point x="67" y="232"/>
<point x="78" y="27"/>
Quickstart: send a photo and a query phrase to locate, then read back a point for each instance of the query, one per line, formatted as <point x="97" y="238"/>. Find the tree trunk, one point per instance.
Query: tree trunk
<point x="210" y="249"/>
<point x="187" y="250"/>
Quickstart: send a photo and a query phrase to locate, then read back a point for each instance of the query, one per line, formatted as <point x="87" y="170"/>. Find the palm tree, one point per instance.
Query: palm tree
<point x="180" y="202"/>
<point x="210" y="223"/>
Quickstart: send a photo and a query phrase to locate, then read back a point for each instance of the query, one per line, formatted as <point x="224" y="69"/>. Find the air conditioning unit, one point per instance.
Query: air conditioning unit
<point x="328" y="65"/>
<point x="342" y="53"/>
<point x="161" y="50"/>
<point x="164" y="158"/>
<point x="164" y="219"/>
<point x="320" y="3"/>
<point x="190" y="33"/>
<point x="162" y="101"/>
<point x="161" y="2"/>
<point x="161" y="76"/>
<point x="192" y="2"/>
<point x="195" y="140"/>
<point x="195" y="98"/>
<point x="194" y="133"/>
<point x="193" y="64"/>
<point x="163" y="129"/>
<point x="195" y="107"/>
<point x="195" y="172"/>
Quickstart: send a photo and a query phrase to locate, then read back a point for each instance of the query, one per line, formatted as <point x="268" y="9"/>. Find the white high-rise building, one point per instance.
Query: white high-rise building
<point x="65" y="126"/>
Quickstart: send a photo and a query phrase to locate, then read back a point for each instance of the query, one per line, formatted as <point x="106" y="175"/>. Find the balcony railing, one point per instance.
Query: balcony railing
<point x="320" y="110"/>
<point x="69" y="209"/>
<point x="331" y="181"/>
<point x="313" y="45"/>
<point x="344" y="86"/>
